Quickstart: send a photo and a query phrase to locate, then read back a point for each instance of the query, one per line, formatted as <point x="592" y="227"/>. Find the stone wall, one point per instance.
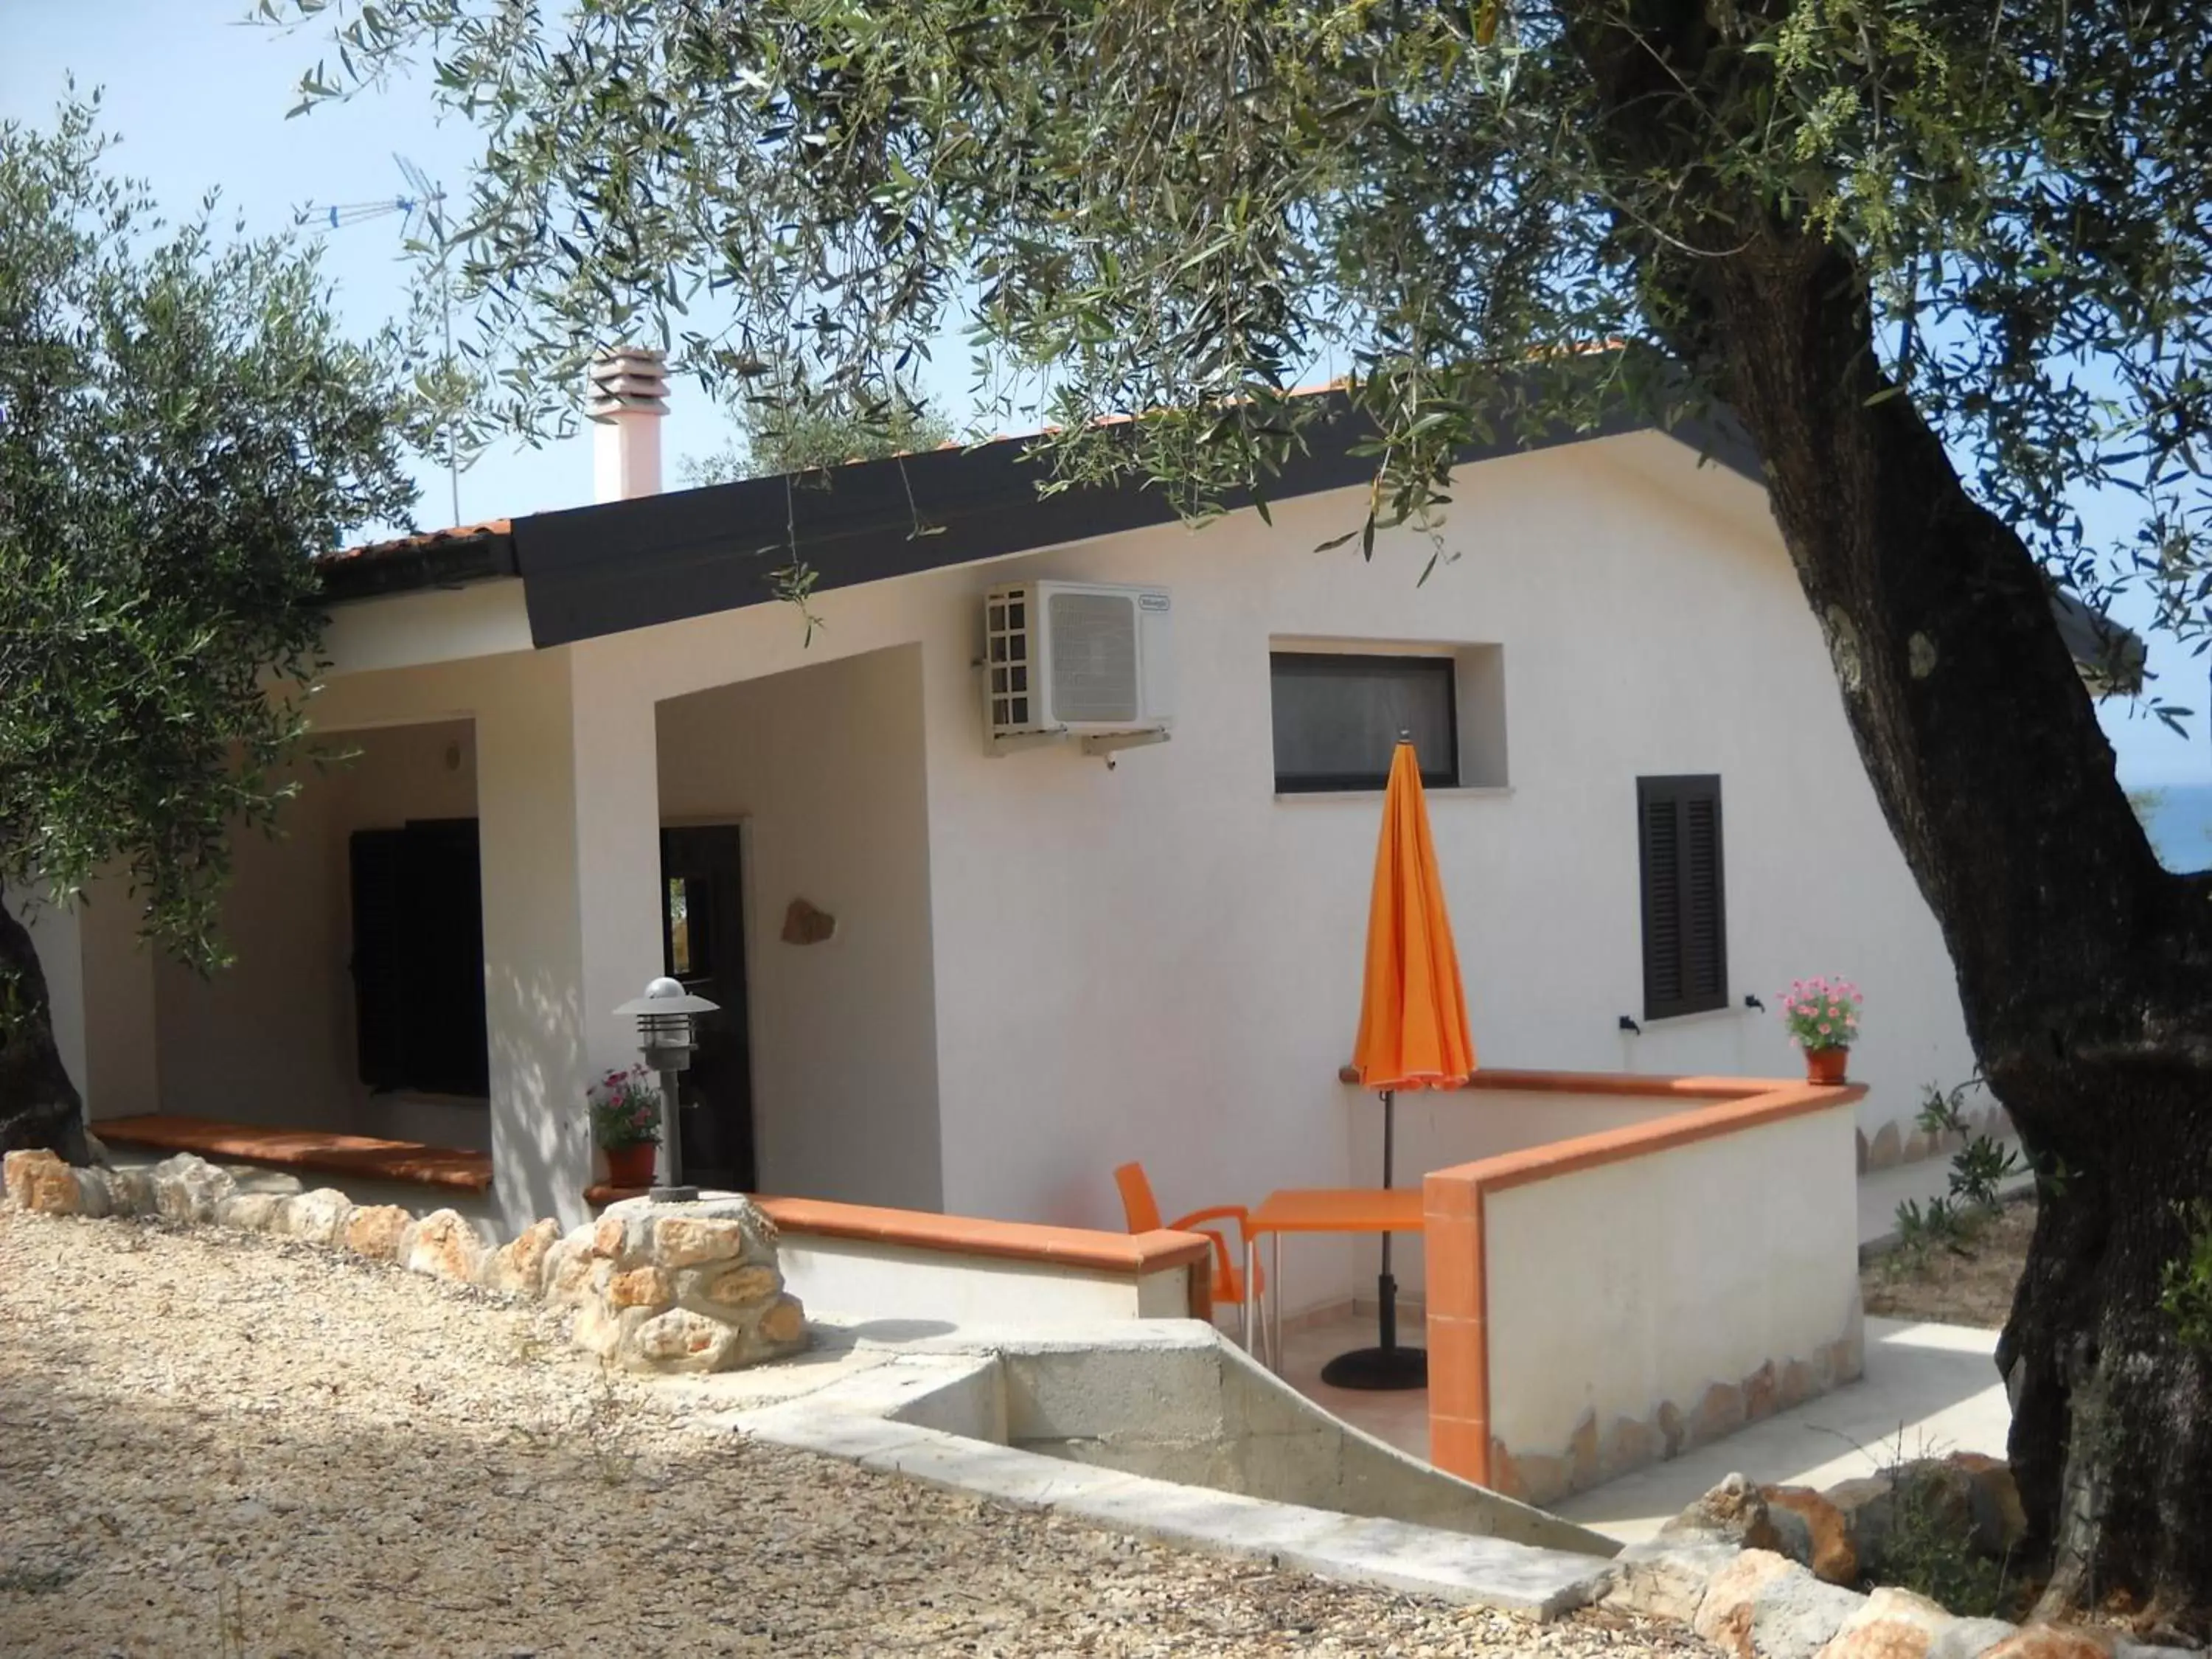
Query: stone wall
<point x="653" y="1287"/>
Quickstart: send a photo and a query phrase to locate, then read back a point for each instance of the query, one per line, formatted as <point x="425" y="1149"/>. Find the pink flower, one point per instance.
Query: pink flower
<point x="1823" y="1028"/>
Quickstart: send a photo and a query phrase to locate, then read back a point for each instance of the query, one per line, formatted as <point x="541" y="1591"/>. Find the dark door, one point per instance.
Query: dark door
<point x="703" y="930"/>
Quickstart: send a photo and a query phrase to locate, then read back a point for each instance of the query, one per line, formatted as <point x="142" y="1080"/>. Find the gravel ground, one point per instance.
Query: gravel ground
<point x="224" y="1444"/>
<point x="1963" y="1284"/>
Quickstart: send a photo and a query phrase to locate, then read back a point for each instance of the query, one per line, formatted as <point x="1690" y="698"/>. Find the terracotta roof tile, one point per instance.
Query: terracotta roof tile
<point x="399" y="544"/>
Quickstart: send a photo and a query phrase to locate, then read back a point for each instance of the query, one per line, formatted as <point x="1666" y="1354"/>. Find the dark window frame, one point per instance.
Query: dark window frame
<point x="1674" y="988"/>
<point x="1408" y="665"/>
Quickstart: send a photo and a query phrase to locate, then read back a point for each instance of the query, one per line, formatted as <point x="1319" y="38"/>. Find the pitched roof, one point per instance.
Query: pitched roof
<point x="614" y="566"/>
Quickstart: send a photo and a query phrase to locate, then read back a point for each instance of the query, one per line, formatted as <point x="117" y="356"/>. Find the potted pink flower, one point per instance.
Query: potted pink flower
<point x="1823" y="1017"/>
<point x="626" y="1125"/>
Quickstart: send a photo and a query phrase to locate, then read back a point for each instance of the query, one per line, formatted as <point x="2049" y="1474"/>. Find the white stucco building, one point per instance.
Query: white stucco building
<point x="1040" y="966"/>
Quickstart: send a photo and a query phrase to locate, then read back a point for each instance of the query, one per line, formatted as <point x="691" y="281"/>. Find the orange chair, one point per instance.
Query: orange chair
<point x="1143" y="1211"/>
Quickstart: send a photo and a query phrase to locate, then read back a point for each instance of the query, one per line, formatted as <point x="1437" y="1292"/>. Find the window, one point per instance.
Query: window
<point x="1338" y="718"/>
<point x="689" y="919"/>
<point x="418" y="975"/>
<point x="1685" y="921"/>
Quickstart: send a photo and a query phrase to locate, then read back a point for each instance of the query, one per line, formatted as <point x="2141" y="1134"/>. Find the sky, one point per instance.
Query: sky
<point x="198" y="99"/>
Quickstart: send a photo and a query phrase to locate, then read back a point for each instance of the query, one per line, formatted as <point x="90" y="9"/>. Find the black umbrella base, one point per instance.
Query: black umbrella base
<point x="1377" y="1369"/>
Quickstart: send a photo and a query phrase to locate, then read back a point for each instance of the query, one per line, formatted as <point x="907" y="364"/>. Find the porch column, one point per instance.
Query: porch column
<point x="533" y="960"/>
<point x="618" y="895"/>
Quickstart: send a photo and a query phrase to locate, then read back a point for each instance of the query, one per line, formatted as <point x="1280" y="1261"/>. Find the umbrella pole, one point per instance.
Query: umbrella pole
<point x="1386" y="1287"/>
<point x="1387" y="1365"/>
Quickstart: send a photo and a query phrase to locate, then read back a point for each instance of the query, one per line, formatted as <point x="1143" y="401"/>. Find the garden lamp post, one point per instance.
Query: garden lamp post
<point x="664" y="1015"/>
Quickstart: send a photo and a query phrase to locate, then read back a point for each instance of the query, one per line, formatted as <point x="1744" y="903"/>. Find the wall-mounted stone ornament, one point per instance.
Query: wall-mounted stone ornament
<point x="805" y="925"/>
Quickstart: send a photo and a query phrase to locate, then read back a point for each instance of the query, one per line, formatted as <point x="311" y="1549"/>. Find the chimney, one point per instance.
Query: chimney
<point x="629" y="396"/>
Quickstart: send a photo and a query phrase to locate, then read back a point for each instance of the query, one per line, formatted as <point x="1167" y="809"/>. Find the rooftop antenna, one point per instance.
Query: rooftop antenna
<point x="420" y="210"/>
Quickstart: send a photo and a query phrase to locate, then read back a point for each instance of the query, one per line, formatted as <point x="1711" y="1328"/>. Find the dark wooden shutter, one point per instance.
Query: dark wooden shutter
<point x="1685" y="908"/>
<point x="418" y="958"/>
<point x="380" y="985"/>
<point x="445" y="1048"/>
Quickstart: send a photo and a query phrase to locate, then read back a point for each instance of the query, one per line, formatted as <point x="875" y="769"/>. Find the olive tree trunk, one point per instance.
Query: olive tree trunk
<point x="38" y="1105"/>
<point x="2085" y="969"/>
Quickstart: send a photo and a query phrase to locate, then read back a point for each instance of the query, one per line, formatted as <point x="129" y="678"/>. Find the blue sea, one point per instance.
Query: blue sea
<point x="2178" y="817"/>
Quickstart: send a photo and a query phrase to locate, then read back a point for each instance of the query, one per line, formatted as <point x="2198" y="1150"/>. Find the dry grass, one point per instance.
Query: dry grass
<point x="1958" y="1284"/>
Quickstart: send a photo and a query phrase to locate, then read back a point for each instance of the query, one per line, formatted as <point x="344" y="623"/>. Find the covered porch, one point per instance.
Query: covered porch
<point x="487" y="856"/>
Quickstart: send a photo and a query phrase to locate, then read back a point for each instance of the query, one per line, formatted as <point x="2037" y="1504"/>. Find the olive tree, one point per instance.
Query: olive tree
<point x="1946" y="262"/>
<point x="180" y="426"/>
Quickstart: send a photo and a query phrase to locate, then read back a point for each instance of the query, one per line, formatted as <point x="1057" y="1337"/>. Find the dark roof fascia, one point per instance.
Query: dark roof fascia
<point x="440" y="562"/>
<point x="597" y="570"/>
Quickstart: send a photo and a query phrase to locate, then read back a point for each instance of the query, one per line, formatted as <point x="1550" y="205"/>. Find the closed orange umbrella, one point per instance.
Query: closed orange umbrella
<point x="1412" y="1026"/>
<point x="1412" y="1013"/>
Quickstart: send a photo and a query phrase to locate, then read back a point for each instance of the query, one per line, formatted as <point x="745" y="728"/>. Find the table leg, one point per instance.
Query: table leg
<point x="1249" y="1313"/>
<point x="1275" y="1296"/>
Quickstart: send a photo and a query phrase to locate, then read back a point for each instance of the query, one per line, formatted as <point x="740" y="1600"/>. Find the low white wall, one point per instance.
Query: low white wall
<point x="1624" y="1290"/>
<point x="866" y="1279"/>
<point x="825" y="767"/>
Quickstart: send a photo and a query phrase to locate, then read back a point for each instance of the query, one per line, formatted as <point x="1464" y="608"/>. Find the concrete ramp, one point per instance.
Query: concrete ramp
<point x="1164" y="1429"/>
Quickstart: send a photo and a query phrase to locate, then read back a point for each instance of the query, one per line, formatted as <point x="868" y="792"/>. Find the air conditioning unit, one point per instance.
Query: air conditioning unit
<point x="1082" y="660"/>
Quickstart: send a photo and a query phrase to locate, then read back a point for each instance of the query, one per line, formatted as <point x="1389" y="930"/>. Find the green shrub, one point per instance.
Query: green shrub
<point x="2185" y="1287"/>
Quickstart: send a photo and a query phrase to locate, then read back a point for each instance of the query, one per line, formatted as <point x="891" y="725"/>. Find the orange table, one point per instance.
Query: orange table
<point x="1317" y="1210"/>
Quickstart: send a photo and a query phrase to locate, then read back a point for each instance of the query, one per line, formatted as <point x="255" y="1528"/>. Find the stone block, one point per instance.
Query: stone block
<point x="1629" y="1444"/>
<point x="130" y="1192"/>
<point x="1892" y="1623"/>
<point x="445" y="1247"/>
<point x="1732" y="1512"/>
<point x="1995" y="1512"/>
<point x="606" y="1331"/>
<point x="1887" y="1149"/>
<point x="1719" y="1411"/>
<point x="1760" y="1391"/>
<point x="376" y="1230"/>
<point x="1766" y="1607"/>
<point x="249" y="1212"/>
<point x="93" y="1196"/>
<point x="1665" y="1578"/>
<point x="626" y="1240"/>
<point x="688" y="1240"/>
<point x="1970" y="1639"/>
<point x="576" y="1277"/>
<point x="2054" y="1642"/>
<point x="681" y="1340"/>
<point x="518" y="1266"/>
<point x="1583" y="1461"/>
<point x="1829" y="1551"/>
<point x="783" y="1326"/>
<point x="1540" y="1480"/>
<point x="640" y="1287"/>
<point x="1867" y="1507"/>
<point x="186" y="1188"/>
<point x="727" y="1286"/>
<point x="37" y="1179"/>
<point x="1796" y="1386"/>
<point x="317" y="1218"/>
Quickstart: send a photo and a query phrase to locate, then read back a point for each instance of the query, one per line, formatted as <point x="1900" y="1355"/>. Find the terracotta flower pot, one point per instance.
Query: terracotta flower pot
<point x="1826" y="1065"/>
<point x="631" y="1165"/>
